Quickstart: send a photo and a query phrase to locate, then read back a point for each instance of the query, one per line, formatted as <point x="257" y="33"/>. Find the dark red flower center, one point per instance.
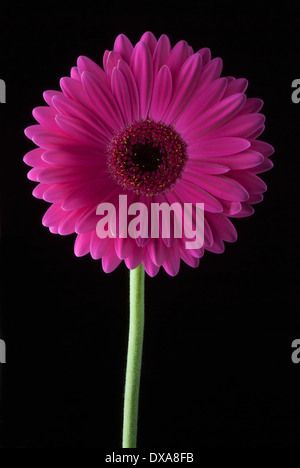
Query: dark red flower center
<point x="146" y="157"/>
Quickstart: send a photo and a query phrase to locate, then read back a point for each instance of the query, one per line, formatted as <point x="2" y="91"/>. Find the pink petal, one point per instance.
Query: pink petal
<point x="157" y="251"/>
<point x="216" y="116"/>
<point x="150" y="267"/>
<point x="77" y="156"/>
<point x="246" y="210"/>
<point x="262" y="147"/>
<point x="88" y="194"/>
<point x="142" y="69"/>
<point x="124" y="47"/>
<point x="67" y="175"/>
<point x="252" y="183"/>
<point x="34" y="131"/>
<point x="191" y="193"/>
<point x="86" y="64"/>
<point x="123" y="247"/>
<point x="211" y="72"/>
<point x="219" y="186"/>
<point x="231" y="208"/>
<point x="161" y="53"/>
<point x="179" y="54"/>
<point x="75" y="74"/>
<point x="99" y="247"/>
<point x="39" y="190"/>
<point x="88" y="220"/>
<point x="74" y="109"/>
<point x="67" y="224"/>
<point x="121" y="94"/>
<point x="82" y="131"/>
<point x="162" y="93"/>
<point x="82" y="244"/>
<point x="201" y="102"/>
<point x="46" y="117"/>
<point x="240" y="126"/>
<point x="222" y="227"/>
<point x="102" y="101"/>
<point x="57" y="193"/>
<point x="236" y="86"/>
<point x="185" y="85"/>
<point x="53" y="215"/>
<point x="188" y="258"/>
<point x="243" y="160"/>
<point x="135" y="257"/>
<point x="203" y="167"/>
<point x="218" y="146"/>
<point x="172" y="262"/>
<point x="205" y="55"/>
<point x="149" y="39"/>
<point x="33" y="174"/>
<point x="111" y="62"/>
<point x="52" y="140"/>
<point x="73" y="89"/>
<point x="48" y="96"/>
<point x="34" y="158"/>
<point x="252" y="105"/>
<point x="110" y="261"/>
<point x="266" y="165"/>
<point x="132" y="88"/>
<point x="255" y="198"/>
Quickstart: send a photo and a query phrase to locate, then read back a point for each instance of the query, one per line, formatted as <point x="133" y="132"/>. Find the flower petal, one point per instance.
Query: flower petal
<point x="121" y="94"/>
<point x="149" y="39"/>
<point x="142" y="69"/>
<point x="161" y="53"/>
<point x="88" y="194"/>
<point x="77" y="156"/>
<point x="242" y="126"/>
<point x="124" y="47"/>
<point x="110" y="260"/>
<point x="216" y="116"/>
<point x="34" y="158"/>
<point x="211" y="72"/>
<point x="243" y="160"/>
<point x="82" y="244"/>
<point x="102" y="100"/>
<point x="218" y="146"/>
<point x="185" y="85"/>
<point x="132" y="88"/>
<point x="178" y="55"/>
<point x="201" y="102"/>
<point x="86" y="64"/>
<point x="219" y="186"/>
<point x="189" y="192"/>
<point x="67" y="106"/>
<point x="162" y="93"/>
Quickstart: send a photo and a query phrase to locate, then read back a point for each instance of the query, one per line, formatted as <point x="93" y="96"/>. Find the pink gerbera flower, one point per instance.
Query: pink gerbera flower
<point x="158" y="124"/>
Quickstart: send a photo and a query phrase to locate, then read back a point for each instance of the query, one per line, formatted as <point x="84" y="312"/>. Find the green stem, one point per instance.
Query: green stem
<point x="134" y="357"/>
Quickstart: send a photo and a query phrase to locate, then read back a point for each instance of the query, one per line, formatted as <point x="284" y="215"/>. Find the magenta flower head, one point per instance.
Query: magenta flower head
<point x="146" y="160"/>
<point x="156" y="131"/>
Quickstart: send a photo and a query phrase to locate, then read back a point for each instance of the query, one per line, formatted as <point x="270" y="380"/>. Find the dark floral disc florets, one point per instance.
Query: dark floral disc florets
<point x="146" y="157"/>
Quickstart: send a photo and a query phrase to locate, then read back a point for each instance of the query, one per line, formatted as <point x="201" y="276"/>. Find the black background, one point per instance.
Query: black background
<point x="217" y="369"/>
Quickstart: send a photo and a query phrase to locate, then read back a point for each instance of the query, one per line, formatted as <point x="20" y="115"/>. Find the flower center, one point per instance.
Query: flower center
<point x="146" y="157"/>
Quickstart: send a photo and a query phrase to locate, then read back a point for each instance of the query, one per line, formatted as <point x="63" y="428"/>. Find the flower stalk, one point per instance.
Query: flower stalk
<point x="134" y="357"/>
